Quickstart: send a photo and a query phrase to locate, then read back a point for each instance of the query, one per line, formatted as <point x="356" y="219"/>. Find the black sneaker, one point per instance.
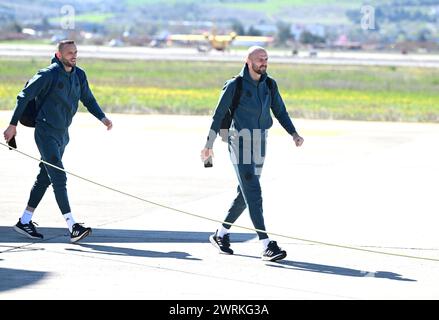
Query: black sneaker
<point x="222" y="244"/>
<point x="79" y="232"/>
<point x="273" y="252"/>
<point x="28" y="230"/>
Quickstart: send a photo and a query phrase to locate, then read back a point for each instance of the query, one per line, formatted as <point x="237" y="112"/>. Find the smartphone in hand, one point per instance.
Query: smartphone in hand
<point x="208" y="163"/>
<point x="12" y="143"/>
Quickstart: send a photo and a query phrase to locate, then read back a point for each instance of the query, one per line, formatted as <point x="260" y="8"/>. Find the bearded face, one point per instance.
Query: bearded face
<point x="259" y="61"/>
<point x="68" y="55"/>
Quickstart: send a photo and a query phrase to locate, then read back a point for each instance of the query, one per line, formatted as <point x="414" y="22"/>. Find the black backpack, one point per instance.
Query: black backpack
<point x="227" y="121"/>
<point x="33" y="107"/>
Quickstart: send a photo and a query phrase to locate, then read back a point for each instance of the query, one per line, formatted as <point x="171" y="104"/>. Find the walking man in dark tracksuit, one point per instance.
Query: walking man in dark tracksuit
<point x="246" y="142"/>
<point x="62" y="84"/>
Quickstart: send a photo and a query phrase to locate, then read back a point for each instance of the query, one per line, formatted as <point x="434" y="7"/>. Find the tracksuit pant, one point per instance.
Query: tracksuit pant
<point x="51" y="144"/>
<point x="248" y="157"/>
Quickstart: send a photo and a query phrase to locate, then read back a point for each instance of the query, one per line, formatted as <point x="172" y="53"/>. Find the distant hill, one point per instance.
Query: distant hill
<point x="396" y="20"/>
<point x="254" y="11"/>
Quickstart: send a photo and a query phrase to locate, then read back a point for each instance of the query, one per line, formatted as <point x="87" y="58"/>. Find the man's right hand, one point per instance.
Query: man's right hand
<point x="206" y="153"/>
<point x="298" y="140"/>
<point x="10" y="132"/>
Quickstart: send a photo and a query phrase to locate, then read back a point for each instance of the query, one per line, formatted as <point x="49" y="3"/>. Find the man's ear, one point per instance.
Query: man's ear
<point x="58" y="54"/>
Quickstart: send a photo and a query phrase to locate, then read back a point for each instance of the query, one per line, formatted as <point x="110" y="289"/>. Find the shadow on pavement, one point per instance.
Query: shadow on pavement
<point x="118" y="251"/>
<point x="340" y="271"/>
<point x="16" y="278"/>
<point x="332" y="270"/>
<point x="100" y="235"/>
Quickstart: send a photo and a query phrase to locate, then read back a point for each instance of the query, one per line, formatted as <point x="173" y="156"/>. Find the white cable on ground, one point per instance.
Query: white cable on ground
<point x="219" y="221"/>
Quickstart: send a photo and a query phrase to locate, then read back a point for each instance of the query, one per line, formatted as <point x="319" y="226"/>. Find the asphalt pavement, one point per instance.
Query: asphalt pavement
<point x="367" y="185"/>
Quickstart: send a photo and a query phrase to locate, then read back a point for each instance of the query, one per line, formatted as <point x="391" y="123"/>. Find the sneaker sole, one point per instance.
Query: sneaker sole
<point x="213" y="242"/>
<point x="277" y="257"/>
<point x="82" y="236"/>
<point x="17" y="229"/>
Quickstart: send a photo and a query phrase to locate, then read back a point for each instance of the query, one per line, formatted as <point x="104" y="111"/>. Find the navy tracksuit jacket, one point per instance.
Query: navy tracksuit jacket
<point x="53" y="120"/>
<point x="247" y="140"/>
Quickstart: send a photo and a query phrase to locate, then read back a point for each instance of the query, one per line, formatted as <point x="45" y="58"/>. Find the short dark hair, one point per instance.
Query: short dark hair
<point x="64" y="43"/>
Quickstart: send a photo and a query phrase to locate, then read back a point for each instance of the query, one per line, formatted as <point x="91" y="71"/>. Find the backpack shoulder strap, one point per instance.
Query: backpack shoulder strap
<point x="55" y="73"/>
<point x="271" y="86"/>
<point x="81" y="75"/>
<point x="236" y="95"/>
<point x="269" y="82"/>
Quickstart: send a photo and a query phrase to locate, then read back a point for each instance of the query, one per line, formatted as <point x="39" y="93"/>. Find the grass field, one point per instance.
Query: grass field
<point x="90" y="18"/>
<point x="279" y="5"/>
<point x="310" y="91"/>
<point x="26" y="41"/>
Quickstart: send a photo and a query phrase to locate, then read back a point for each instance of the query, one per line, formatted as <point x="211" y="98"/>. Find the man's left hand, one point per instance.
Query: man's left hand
<point x="298" y="140"/>
<point x="107" y="123"/>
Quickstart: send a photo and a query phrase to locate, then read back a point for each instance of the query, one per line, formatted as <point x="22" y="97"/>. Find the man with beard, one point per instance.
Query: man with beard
<point x="251" y="119"/>
<point x="57" y="90"/>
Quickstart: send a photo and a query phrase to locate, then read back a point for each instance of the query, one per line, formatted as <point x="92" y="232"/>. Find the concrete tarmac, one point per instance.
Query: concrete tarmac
<point x="369" y="185"/>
